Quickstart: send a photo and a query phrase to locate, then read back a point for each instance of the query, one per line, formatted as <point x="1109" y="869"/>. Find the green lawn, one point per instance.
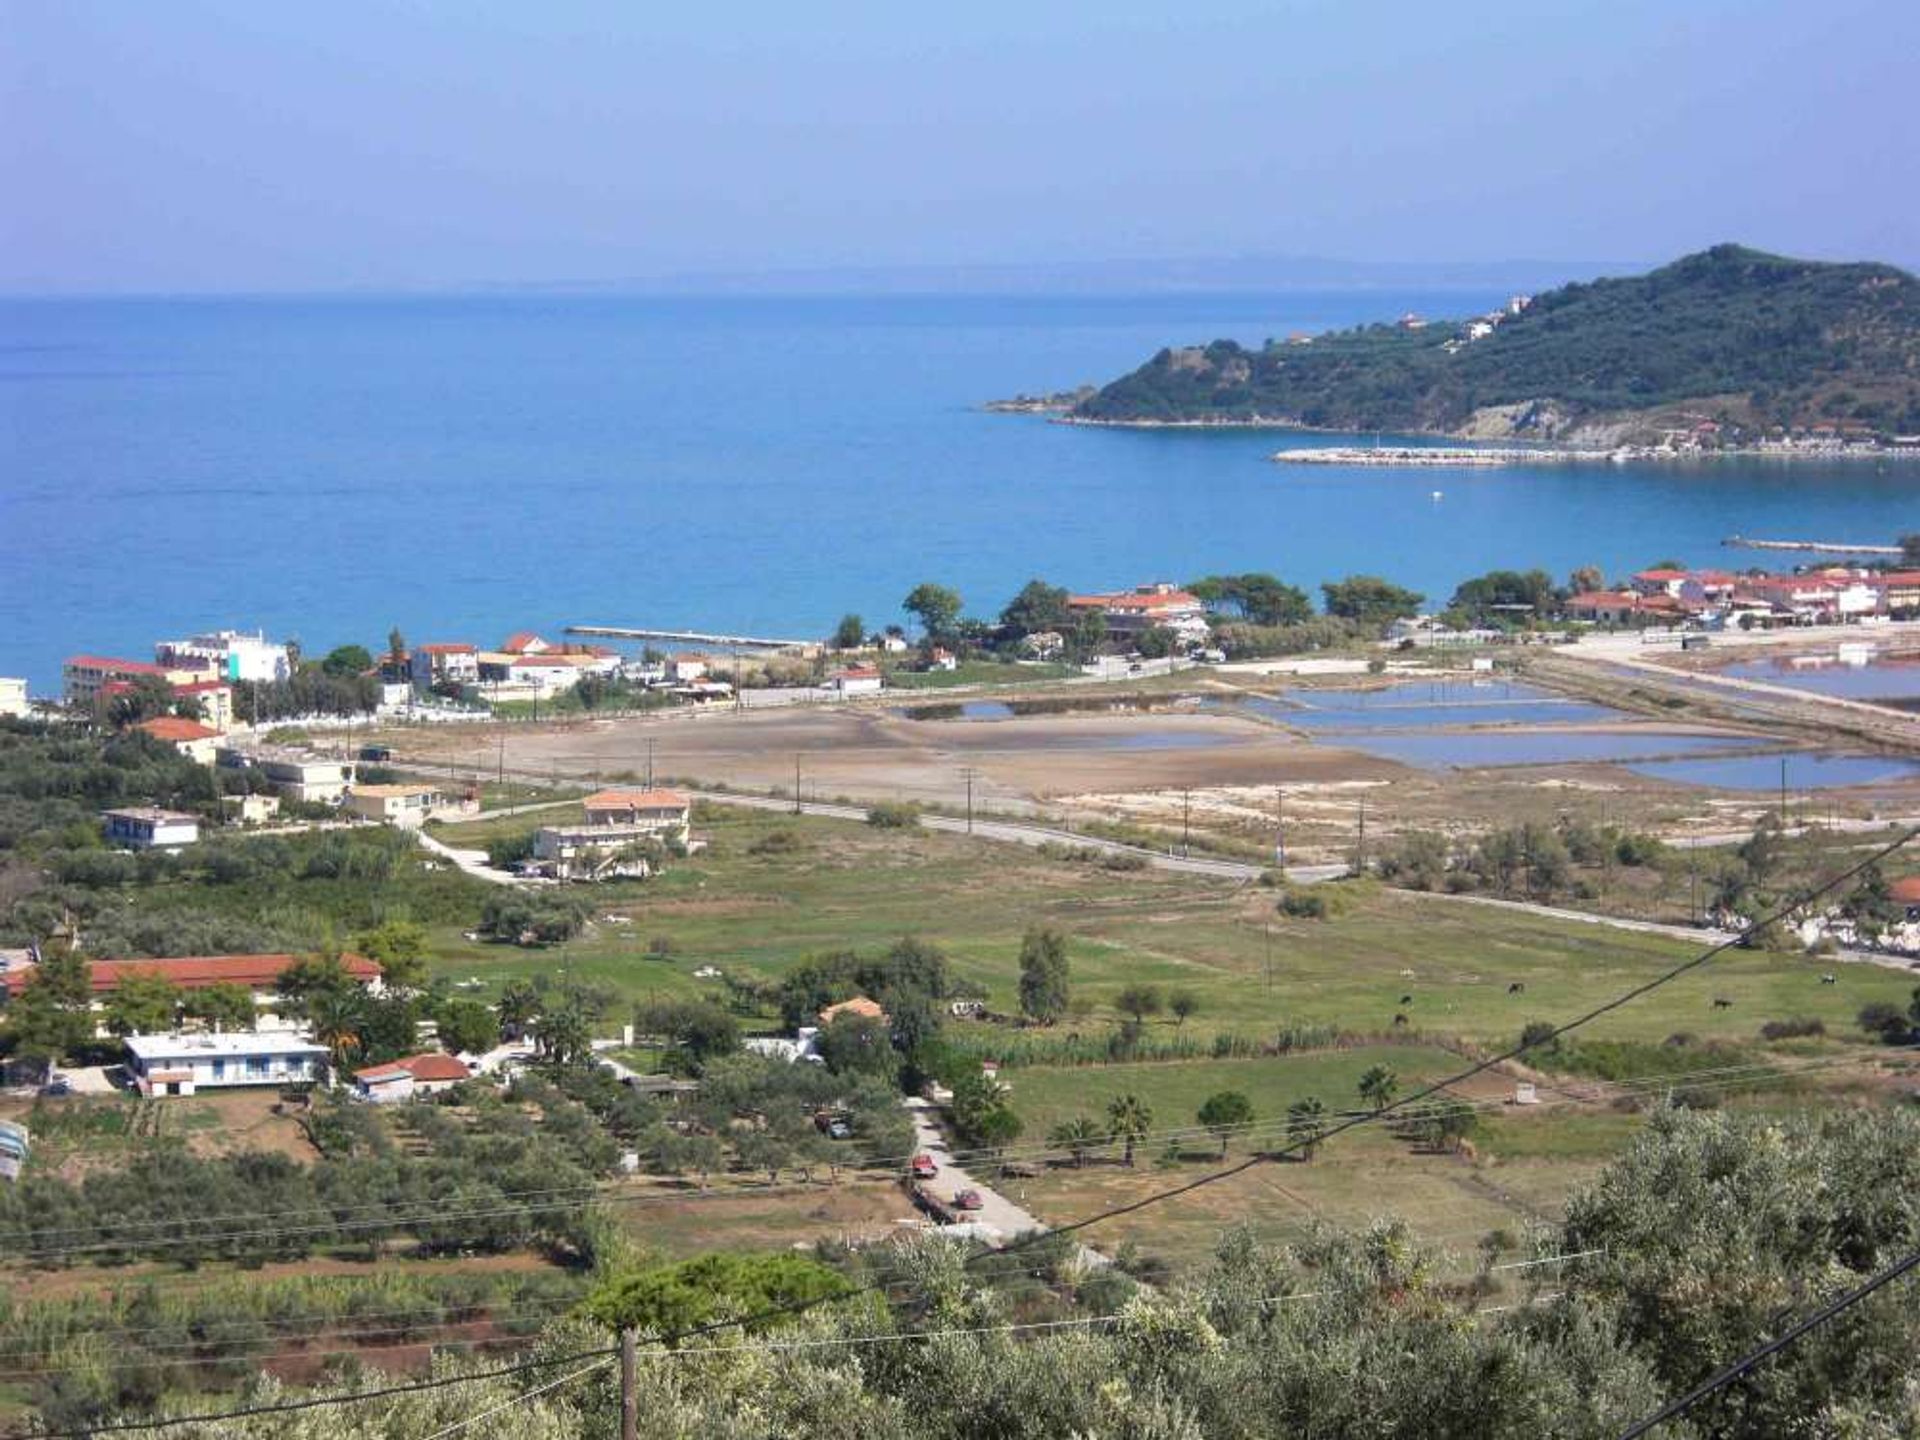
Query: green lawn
<point x="846" y="886"/>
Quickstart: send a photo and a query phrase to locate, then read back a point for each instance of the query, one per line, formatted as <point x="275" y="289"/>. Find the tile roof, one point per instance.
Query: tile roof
<point x="193" y="972"/>
<point x="432" y="1067"/>
<point x="107" y="662"/>
<point x="636" y="800"/>
<point x="176" y="728"/>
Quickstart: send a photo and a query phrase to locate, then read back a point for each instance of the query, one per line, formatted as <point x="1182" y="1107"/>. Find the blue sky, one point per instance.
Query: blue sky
<point x="215" y="145"/>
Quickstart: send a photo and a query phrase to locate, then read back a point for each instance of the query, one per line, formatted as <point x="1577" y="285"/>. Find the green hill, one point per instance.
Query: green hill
<point x="1754" y="341"/>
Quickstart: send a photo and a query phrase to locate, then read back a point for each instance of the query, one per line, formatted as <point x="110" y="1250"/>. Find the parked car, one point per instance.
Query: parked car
<point x="839" y="1130"/>
<point x="377" y="754"/>
<point x="57" y="1085"/>
<point x="968" y="1200"/>
<point x="923" y="1167"/>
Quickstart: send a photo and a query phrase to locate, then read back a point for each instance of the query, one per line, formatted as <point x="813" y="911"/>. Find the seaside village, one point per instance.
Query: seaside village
<point x="191" y="686"/>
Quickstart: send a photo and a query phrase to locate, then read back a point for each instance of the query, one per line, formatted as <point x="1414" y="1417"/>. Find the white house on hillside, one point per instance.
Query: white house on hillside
<point x="183" y="1064"/>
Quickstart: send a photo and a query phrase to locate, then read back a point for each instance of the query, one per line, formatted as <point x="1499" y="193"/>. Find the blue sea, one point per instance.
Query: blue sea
<point x="465" y="467"/>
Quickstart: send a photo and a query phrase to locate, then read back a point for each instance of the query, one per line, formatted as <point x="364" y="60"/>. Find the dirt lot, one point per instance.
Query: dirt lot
<point x="1237" y="775"/>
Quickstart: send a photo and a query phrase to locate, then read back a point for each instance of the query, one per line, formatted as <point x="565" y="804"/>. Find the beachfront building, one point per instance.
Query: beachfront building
<point x="228" y="655"/>
<point x="448" y="663"/>
<point x="185" y="1064"/>
<point x="684" y="668"/>
<point x="406" y="1079"/>
<point x="407" y="806"/>
<point x="84" y="678"/>
<point x="1131" y="613"/>
<point x="191" y="738"/>
<point x="147" y="827"/>
<point x="857" y="680"/>
<point x="13" y="697"/>
<point x="294" y="775"/>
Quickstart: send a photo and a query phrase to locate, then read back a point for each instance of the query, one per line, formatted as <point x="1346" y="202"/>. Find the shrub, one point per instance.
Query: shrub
<point x="1798" y="1027"/>
<point x="1304" y="905"/>
<point x="893" y="815"/>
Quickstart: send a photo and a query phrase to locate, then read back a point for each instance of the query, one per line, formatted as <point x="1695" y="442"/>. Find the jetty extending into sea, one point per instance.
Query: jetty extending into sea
<point x="1444" y="457"/>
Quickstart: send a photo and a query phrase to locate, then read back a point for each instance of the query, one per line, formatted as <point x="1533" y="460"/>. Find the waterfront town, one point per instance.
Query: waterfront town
<point x="381" y="902"/>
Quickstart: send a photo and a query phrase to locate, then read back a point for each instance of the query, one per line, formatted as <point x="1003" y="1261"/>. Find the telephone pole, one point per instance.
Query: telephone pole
<point x="1360" y="848"/>
<point x="1280" y="827"/>
<point x="968" y="772"/>
<point x="796" y="782"/>
<point x="629" y="1384"/>
<point x="1186" y="822"/>
<point x="650" y="743"/>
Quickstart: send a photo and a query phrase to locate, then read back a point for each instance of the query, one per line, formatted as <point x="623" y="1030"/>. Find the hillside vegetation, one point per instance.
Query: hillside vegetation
<point x="1752" y="340"/>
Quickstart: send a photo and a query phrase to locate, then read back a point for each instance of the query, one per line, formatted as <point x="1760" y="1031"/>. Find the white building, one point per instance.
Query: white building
<point x="182" y="1064"/>
<point x="404" y="1079"/>
<point x="408" y="806"/>
<point x="228" y="655"/>
<point x="445" y="664"/>
<point x="13" y="697"/>
<point x="146" y="827"/>
<point x="857" y="680"/>
<point x="308" y="779"/>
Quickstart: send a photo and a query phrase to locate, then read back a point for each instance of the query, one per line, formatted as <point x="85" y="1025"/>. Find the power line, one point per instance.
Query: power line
<point x="1754" y="1358"/>
<point x="795" y="1308"/>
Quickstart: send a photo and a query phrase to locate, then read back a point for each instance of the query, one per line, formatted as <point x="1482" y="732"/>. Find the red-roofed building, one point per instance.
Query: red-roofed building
<point x="524" y="642"/>
<point x="257" y="973"/>
<point x="1131" y="613"/>
<point x="404" y="1079"/>
<point x="83" y="677"/>
<point x="189" y="737"/>
<point x="859" y="1007"/>
<point x="661" y="808"/>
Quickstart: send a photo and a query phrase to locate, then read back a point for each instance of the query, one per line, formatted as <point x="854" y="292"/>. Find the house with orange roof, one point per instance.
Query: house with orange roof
<point x="189" y="737"/>
<point x="860" y="1007"/>
<point x="405" y="1079"/>
<point x="1131" y="613"/>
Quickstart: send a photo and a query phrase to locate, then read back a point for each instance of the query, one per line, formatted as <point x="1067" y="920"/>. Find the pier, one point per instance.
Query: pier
<point x="1811" y="547"/>
<point x="692" y="637"/>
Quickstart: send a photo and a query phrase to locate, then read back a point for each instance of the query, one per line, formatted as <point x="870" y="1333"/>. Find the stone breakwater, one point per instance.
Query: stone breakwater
<point x="1436" y="457"/>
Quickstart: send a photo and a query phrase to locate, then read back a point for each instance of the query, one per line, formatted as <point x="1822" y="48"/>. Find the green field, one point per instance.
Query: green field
<point x="846" y="886"/>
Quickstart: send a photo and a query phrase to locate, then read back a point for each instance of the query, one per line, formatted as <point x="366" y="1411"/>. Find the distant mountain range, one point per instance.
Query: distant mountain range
<point x="1747" y="340"/>
<point x="1244" y="274"/>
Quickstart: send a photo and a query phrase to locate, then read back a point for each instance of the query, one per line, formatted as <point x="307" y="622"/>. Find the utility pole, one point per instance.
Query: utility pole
<point x="1186" y="822"/>
<point x="1280" y="827"/>
<point x="1360" y="847"/>
<point x="629" y="1384"/>
<point x="796" y="782"/>
<point x="1266" y="930"/>
<point x="1783" y="794"/>
<point x="650" y="742"/>
<point x="968" y="772"/>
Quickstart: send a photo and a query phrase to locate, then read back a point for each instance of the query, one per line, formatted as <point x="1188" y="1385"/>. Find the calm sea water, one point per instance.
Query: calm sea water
<point x="466" y="467"/>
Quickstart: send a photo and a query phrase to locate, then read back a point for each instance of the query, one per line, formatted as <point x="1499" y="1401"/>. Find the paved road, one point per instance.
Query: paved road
<point x="997" y="1214"/>
<point x="474" y="862"/>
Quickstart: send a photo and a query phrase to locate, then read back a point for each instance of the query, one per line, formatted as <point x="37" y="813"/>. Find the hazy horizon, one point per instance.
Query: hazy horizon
<point x="217" y="147"/>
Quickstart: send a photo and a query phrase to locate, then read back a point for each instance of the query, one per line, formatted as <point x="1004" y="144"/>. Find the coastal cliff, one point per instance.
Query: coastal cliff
<point x="1731" y="344"/>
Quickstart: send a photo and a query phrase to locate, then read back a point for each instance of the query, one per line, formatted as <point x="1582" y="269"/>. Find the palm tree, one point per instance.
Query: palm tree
<point x="1379" y="1085"/>
<point x="1077" y="1137"/>
<point x="334" y="1017"/>
<point x="1128" y="1119"/>
<point x="1306" y="1123"/>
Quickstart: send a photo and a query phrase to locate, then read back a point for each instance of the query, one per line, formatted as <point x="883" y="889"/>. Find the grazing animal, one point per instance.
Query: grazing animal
<point x="1406" y="999"/>
<point x="1720" y="1002"/>
<point x="1399" y="1021"/>
<point x="1516" y="987"/>
<point x="1829" y="979"/>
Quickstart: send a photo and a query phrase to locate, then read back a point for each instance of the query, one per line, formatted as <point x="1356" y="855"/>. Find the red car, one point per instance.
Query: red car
<point x="923" y="1167"/>
<point x="968" y="1200"/>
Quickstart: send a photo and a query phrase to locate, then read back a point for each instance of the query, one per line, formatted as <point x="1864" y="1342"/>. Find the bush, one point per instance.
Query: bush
<point x="1885" y="1021"/>
<point x="1799" y="1027"/>
<point x="1304" y="905"/>
<point x="893" y="815"/>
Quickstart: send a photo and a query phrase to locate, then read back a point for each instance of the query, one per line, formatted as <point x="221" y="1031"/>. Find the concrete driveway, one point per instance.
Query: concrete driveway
<point x="999" y="1218"/>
